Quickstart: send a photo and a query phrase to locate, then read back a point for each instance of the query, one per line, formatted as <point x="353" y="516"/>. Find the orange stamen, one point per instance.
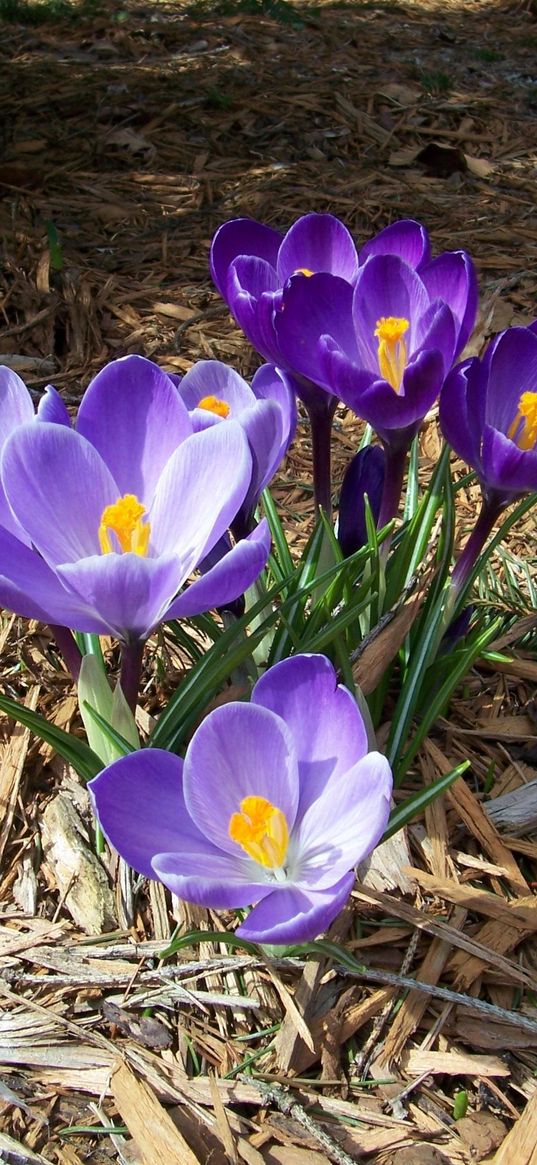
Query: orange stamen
<point x="392" y="353"/>
<point x="124" y="519"/>
<point x="523" y="430"/>
<point x="214" y="405"/>
<point x="261" y="829"/>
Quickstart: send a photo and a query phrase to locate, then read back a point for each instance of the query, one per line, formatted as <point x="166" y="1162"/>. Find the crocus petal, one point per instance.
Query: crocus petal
<point x="363" y="476"/>
<point x="512" y="370"/>
<point x="252" y="293"/>
<point x="16" y="406"/>
<point x="408" y="239"/>
<point x="452" y="278"/>
<point x="213" y="378"/>
<point x="199" y="493"/>
<point x="344" y="825"/>
<point x="210" y="878"/>
<point x="437" y="329"/>
<point x="133" y="414"/>
<point x="464" y="393"/>
<point x="264" y="428"/>
<point x="52" y="408"/>
<point x="328" y="742"/>
<point x="293" y="915"/>
<point x="29" y="587"/>
<point x="58" y="486"/>
<point x="241" y="236"/>
<point x="140" y="806"/>
<point x="505" y="467"/>
<point x="271" y="383"/>
<point x="131" y="594"/>
<point x="386" y="286"/>
<point x="311" y="308"/>
<point x="228" y="579"/>
<point x="238" y="751"/>
<point x="318" y="242"/>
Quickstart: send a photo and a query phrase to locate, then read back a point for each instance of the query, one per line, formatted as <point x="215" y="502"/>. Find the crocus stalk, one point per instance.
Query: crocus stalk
<point x="271" y="805"/>
<point x="134" y="502"/>
<point x="488" y="414"/>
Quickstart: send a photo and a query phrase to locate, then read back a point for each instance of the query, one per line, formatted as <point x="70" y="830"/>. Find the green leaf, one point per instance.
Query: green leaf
<point x="412" y="806"/>
<point x="78" y="754"/>
<point x="212" y="936"/>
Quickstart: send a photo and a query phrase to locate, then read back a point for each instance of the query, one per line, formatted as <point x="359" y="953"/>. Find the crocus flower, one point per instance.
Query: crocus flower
<point x="214" y="394"/>
<point x="488" y="413"/>
<point x="363" y="476"/>
<point x="272" y="805"/>
<point x="118" y="512"/>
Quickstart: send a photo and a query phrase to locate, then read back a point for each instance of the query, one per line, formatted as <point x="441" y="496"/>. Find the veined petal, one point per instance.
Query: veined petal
<point x="293" y="914"/>
<point x="52" y="408"/>
<point x="241" y="236"/>
<point x="140" y="806"/>
<point x="228" y="579"/>
<point x="16" y="407"/>
<point x="408" y="239"/>
<point x="452" y="278"/>
<point x="316" y="243"/>
<point x="264" y="426"/>
<point x="386" y="286"/>
<point x="437" y="329"/>
<point x="512" y="370"/>
<point x="271" y="383"/>
<point x="344" y="825"/>
<point x="253" y="292"/>
<point x="131" y="594"/>
<point x="462" y="410"/>
<point x="29" y="587"/>
<point x="505" y="467"/>
<point x="211" y="878"/>
<point x="213" y="378"/>
<point x="199" y="493"/>
<point x="132" y="413"/>
<point x="238" y="751"/>
<point x="58" y="486"/>
<point x="327" y="743"/>
<point x="312" y="308"/>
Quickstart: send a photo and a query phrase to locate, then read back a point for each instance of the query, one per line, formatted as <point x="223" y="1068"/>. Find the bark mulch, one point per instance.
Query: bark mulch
<point x="130" y="132"/>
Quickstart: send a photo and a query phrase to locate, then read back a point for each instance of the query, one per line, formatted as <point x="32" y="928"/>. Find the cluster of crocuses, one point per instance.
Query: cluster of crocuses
<point x="104" y="521"/>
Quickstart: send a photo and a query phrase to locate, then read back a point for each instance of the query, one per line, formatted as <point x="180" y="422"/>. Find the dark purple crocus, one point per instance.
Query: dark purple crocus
<point x="364" y="476"/>
<point x="383" y="346"/>
<point x="488" y="414"/>
<point x="118" y="512"/>
<point x="215" y="394"/>
<point x="271" y="805"/>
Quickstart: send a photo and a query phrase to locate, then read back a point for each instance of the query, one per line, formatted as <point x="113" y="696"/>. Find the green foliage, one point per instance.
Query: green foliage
<point x="460" y="1105"/>
<point x="36" y="12"/>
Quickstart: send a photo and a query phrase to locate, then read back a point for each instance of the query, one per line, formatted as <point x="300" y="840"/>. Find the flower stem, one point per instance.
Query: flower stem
<point x="131" y="666"/>
<point x="68" y="647"/>
<point x="321" y="416"/>
<point x="490" y="511"/>
<point x="393" y="485"/>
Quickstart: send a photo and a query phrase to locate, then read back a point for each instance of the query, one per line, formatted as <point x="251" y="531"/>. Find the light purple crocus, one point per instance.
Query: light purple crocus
<point x="215" y="394"/>
<point x="273" y="805"/>
<point x="488" y="414"/>
<point x="117" y="513"/>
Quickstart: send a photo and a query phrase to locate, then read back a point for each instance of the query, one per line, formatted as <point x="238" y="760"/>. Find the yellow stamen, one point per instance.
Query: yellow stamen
<point x="392" y="354"/>
<point x="261" y="829"/>
<point x="124" y="519"/>
<point x="214" y="405"/>
<point x="523" y="430"/>
<point x="303" y="271"/>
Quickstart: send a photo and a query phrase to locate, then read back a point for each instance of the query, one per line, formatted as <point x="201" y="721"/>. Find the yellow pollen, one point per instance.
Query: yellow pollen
<point x="261" y="829"/>
<point x="523" y="430"/>
<point x="124" y="519"/>
<point x="303" y="271"/>
<point x="392" y="354"/>
<point x="214" y="405"/>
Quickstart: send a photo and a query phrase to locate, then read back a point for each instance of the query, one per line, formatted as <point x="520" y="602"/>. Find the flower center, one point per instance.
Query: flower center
<point x="523" y="430"/>
<point x="124" y="520"/>
<point x="261" y="829"/>
<point x="303" y="271"/>
<point x="392" y="349"/>
<point x="214" y="405"/>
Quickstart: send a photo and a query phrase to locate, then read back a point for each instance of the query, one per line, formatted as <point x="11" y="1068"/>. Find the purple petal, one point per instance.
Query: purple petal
<point x="407" y="239"/>
<point x="133" y="414"/>
<point x="52" y="408"/>
<point x="28" y="587"/>
<point x="462" y="410"/>
<point x="312" y="308"/>
<point x="211" y="878"/>
<point x="363" y="476"/>
<point x="386" y="286"/>
<point x="327" y="743"/>
<point x="267" y="435"/>
<point x="238" y="751"/>
<point x="293" y="915"/>
<point x="345" y="823"/>
<point x="253" y="292"/>
<point x="505" y="467"/>
<point x="437" y="329"/>
<point x="58" y="487"/>
<point x="199" y="493"/>
<point x="512" y="371"/>
<point x="213" y="378"/>
<point x="130" y="594"/>
<point x="228" y="579"/>
<point x="241" y="236"/>
<point x="388" y="411"/>
<point x="16" y="406"/>
<point x="271" y="383"/>
<point x="316" y="243"/>
<point x="140" y="806"/>
<point x="452" y="278"/>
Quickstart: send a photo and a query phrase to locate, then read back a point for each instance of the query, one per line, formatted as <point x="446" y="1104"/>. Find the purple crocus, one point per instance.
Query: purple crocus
<point x="117" y="513"/>
<point x="271" y="805"/>
<point x="215" y="394"/>
<point x="364" y="476"/>
<point x="488" y="413"/>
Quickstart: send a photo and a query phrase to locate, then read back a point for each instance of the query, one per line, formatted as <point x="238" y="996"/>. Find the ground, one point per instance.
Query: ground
<point x="130" y="133"/>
